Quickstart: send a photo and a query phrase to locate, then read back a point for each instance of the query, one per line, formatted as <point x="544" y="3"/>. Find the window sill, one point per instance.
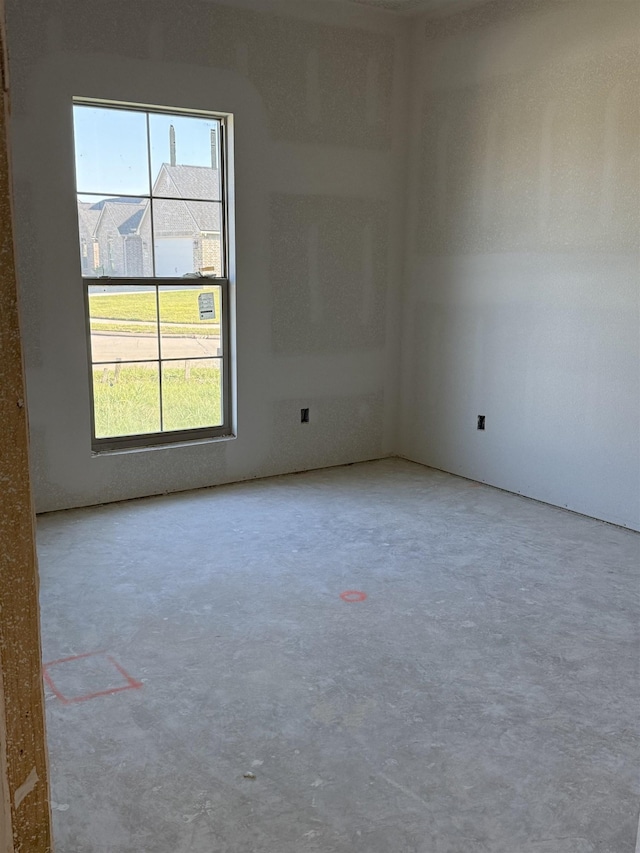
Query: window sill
<point x="174" y="445"/>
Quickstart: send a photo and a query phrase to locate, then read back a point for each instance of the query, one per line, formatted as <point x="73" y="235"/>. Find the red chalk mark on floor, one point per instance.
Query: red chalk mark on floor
<point x="353" y="595"/>
<point x="129" y="682"/>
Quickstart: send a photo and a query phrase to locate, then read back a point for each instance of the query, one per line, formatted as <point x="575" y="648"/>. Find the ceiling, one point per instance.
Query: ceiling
<point x="419" y="5"/>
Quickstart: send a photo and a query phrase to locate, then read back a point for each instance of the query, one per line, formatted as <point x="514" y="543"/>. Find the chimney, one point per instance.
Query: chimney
<point x="214" y="150"/>
<point x="172" y="145"/>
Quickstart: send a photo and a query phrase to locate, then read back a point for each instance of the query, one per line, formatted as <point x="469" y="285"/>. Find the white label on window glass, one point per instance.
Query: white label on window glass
<point x="207" y="307"/>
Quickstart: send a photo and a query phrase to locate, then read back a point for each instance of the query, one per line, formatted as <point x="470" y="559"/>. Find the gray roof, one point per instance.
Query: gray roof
<point x="196" y="182"/>
<point x="124" y="213"/>
<point x="125" y="216"/>
<point x="178" y="215"/>
<point x="88" y="216"/>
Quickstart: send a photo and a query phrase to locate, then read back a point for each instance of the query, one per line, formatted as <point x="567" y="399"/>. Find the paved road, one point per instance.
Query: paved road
<point x="111" y="346"/>
<point x="148" y="324"/>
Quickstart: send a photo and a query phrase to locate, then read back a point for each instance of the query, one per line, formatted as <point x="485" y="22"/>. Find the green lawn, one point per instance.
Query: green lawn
<point x="176" y="306"/>
<point x="205" y="329"/>
<point x="129" y="403"/>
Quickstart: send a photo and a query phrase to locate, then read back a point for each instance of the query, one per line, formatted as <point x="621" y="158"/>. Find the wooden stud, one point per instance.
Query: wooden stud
<point x="25" y="819"/>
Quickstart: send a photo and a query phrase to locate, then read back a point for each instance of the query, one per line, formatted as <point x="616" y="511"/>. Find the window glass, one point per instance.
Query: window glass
<point x="151" y="231"/>
<point x="115" y="236"/>
<point x="124" y="323"/>
<point x="126" y="399"/>
<point x="185" y="156"/>
<point x="111" y="151"/>
<point x="187" y="237"/>
<point x="191" y="393"/>
<point x="190" y="319"/>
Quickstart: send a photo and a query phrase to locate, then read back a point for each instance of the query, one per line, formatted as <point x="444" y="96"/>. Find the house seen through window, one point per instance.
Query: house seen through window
<point x="151" y="195"/>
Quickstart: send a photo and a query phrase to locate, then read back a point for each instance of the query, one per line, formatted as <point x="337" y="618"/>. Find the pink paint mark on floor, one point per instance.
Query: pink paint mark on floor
<point x="103" y="667"/>
<point x="353" y="595"/>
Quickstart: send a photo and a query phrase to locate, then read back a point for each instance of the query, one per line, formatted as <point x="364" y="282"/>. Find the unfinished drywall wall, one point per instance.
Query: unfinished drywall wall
<point x="317" y="92"/>
<point x="24" y="789"/>
<point x="521" y="297"/>
<point x="523" y="281"/>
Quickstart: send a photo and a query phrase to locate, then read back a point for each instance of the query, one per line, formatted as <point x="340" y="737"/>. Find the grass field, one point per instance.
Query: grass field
<point x="128" y="310"/>
<point x="129" y="403"/>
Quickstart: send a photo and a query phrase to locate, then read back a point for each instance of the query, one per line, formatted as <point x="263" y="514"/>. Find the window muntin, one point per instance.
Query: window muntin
<point x="153" y="256"/>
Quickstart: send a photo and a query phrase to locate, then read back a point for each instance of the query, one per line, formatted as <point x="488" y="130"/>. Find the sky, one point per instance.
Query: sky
<point x="112" y="149"/>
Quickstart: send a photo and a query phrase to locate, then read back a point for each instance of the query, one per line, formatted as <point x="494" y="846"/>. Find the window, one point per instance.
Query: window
<point x="151" y="195"/>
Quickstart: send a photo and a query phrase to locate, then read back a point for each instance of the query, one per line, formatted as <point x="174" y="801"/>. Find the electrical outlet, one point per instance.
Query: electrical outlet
<point x="481" y="419"/>
<point x="304" y="416"/>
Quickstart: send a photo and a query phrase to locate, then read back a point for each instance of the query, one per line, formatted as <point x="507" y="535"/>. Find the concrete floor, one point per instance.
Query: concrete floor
<point x="484" y="697"/>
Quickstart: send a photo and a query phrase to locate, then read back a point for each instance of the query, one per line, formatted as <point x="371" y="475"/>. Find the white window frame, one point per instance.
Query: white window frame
<point x="159" y="439"/>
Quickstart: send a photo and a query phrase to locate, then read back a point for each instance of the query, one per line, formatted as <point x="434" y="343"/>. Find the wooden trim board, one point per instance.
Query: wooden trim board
<point x="25" y="819"/>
